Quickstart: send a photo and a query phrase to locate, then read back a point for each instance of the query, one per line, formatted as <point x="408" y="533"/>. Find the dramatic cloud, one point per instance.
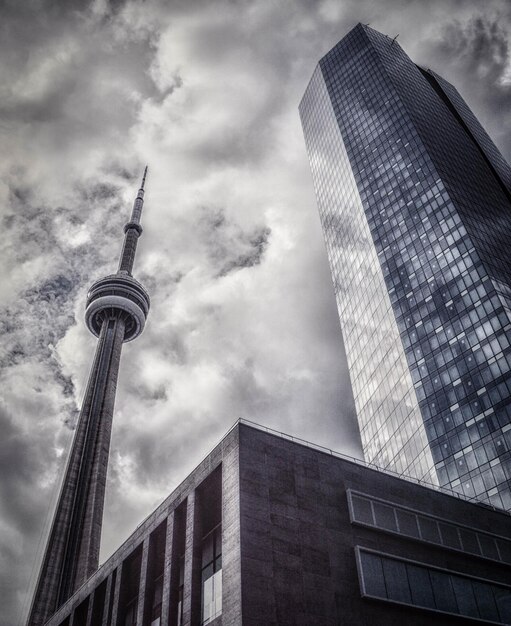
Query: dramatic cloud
<point x="477" y="55"/>
<point x="243" y="320"/>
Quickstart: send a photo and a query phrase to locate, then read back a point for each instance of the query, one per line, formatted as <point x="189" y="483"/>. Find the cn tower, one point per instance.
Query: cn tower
<point x="116" y="311"/>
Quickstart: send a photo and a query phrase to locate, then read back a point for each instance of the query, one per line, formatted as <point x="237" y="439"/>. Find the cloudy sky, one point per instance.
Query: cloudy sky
<point x="243" y="320"/>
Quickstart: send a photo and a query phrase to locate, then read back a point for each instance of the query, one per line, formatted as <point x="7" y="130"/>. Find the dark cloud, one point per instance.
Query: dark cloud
<point x="243" y="320"/>
<point x="474" y="55"/>
<point x="482" y="44"/>
<point x="228" y="246"/>
<point x="23" y="498"/>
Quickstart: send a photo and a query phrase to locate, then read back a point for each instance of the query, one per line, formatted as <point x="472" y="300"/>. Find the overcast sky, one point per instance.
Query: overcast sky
<point x="243" y="320"/>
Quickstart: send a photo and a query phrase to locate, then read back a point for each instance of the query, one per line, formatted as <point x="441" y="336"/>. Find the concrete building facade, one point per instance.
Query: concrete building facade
<point x="267" y="530"/>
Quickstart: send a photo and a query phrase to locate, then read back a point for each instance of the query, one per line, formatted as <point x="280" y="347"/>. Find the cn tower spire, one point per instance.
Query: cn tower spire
<point x="132" y="231"/>
<point x="116" y="311"/>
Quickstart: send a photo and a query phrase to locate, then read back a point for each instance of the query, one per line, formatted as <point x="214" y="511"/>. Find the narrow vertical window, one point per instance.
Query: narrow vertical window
<point x="180" y="590"/>
<point x="130" y="618"/>
<point x="209" y="548"/>
<point x="154" y="577"/>
<point x="80" y="616"/>
<point x="128" y="594"/>
<point x="98" y="607"/>
<point x="212" y="575"/>
<point x="177" y="566"/>
<point x="157" y="600"/>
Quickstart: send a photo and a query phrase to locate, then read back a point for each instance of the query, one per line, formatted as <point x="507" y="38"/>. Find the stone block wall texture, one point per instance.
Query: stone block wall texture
<point x="226" y="455"/>
<point x="288" y="545"/>
<point x="298" y="563"/>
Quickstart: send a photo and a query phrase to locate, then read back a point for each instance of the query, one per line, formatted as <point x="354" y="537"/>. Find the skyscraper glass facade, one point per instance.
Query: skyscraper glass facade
<point x="416" y="211"/>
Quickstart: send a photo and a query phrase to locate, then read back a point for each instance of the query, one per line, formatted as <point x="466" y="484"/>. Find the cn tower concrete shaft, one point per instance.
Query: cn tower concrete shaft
<point x="117" y="307"/>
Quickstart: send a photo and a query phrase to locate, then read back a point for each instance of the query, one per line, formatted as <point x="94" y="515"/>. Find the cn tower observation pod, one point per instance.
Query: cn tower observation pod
<point x="118" y="292"/>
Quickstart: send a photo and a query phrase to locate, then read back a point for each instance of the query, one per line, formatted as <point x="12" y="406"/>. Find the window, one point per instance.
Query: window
<point x="396" y="581"/>
<point x="180" y="590"/>
<point x="98" y="605"/>
<point x="407" y="523"/>
<point x="177" y="565"/>
<point x="154" y="577"/>
<point x="416" y="584"/>
<point x="157" y="600"/>
<point x="80" y="616"/>
<point x="129" y="589"/>
<point x="370" y="511"/>
<point x="209" y="498"/>
<point x="385" y="516"/>
<point x="212" y="575"/>
<point x="362" y="509"/>
<point x="130" y="615"/>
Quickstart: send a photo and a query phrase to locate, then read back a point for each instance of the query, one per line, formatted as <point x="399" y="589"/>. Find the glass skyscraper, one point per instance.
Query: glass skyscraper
<point x="415" y="204"/>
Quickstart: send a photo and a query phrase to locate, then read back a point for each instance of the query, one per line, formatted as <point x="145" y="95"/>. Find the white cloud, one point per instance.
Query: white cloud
<point x="243" y="320"/>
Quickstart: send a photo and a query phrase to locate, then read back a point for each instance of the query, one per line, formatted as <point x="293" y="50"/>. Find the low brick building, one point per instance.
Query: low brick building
<point x="269" y="530"/>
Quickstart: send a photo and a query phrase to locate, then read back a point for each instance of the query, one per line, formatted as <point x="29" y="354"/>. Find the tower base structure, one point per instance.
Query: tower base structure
<point x="271" y="530"/>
